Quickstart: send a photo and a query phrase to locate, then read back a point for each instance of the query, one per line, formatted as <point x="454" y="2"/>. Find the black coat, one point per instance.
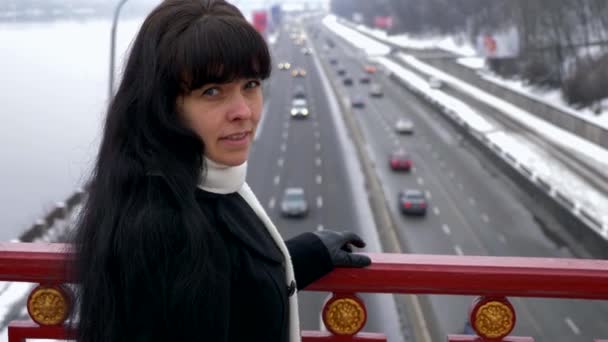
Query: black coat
<point x="250" y="294"/>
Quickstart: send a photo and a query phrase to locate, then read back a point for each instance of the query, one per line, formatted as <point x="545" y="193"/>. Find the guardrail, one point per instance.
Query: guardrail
<point x="492" y="279"/>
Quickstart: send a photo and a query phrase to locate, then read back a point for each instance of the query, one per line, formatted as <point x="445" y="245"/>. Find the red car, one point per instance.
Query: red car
<point x="400" y="161"/>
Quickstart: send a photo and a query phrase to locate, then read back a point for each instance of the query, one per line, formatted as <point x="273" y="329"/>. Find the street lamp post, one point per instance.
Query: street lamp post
<point x="113" y="47"/>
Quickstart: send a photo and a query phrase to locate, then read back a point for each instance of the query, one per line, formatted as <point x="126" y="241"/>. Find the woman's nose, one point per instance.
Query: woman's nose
<point x="240" y="108"/>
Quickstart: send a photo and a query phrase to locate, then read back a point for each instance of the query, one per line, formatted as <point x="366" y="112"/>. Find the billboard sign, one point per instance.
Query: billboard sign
<point x="260" y="20"/>
<point x="499" y="44"/>
<point x="383" y="22"/>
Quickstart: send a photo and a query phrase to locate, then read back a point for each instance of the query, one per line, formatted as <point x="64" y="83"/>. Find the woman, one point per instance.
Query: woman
<point x="172" y="245"/>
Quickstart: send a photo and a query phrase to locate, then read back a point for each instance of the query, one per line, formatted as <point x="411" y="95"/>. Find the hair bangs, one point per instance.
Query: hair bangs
<point x="220" y="50"/>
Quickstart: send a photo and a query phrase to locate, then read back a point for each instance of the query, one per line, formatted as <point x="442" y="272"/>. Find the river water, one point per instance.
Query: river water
<point x="53" y="93"/>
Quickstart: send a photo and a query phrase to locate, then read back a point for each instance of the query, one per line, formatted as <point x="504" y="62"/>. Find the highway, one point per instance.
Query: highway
<point x="473" y="209"/>
<point x="306" y="153"/>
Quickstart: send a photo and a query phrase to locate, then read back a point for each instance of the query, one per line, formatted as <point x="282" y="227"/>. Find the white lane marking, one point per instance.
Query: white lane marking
<point x="460" y="186"/>
<point x="286" y="125"/>
<point x="277" y="179"/>
<point x="420" y="181"/>
<point x="428" y="194"/>
<point x="572" y="326"/>
<point x="318" y="161"/>
<point x="442" y="164"/>
<point x="458" y="250"/>
<point x="413" y="169"/>
<point x="315" y="123"/>
<point x="502" y="238"/>
<point x="435" y="155"/>
<point x="396" y="141"/>
<point x="271" y="203"/>
<point x="485" y="218"/>
<point x="451" y="174"/>
<point x="317" y="134"/>
<point x="318" y="146"/>
<point x="283" y="147"/>
<point x="446" y="229"/>
<point x="472" y="200"/>
<point x="436" y="211"/>
<point x="280" y="162"/>
<point x="285" y="135"/>
<point x="319" y="202"/>
<point x="319" y="179"/>
<point x="320" y="227"/>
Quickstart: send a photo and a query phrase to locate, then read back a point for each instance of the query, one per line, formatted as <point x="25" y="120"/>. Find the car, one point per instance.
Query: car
<point x="357" y="101"/>
<point x="375" y="90"/>
<point x="364" y="79"/>
<point x="435" y="83"/>
<point x="299" y="92"/>
<point x="412" y="202"/>
<point x="341" y="71"/>
<point x="333" y="61"/>
<point x="306" y="51"/>
<point x="299" y="109"/>
<point x="284" y="66"/>
<point x="298" y="72"/>
<point x="404" y="126"/>
<point x="347" y="81"/>
<point x="400" y="160"/>
<point x="294" y="203"/>
<point x="370" y="69"/>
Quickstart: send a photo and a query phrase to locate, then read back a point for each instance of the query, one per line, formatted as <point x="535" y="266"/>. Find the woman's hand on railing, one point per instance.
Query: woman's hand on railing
<point x="339" y="245"/>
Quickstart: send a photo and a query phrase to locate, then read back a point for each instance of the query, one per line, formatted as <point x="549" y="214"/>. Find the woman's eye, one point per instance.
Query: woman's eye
<point x="211" y="92"/>
<point x="253" y="84"/>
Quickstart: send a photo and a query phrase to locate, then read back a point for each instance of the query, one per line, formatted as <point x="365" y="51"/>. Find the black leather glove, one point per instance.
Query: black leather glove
<point x="339" y="247"/>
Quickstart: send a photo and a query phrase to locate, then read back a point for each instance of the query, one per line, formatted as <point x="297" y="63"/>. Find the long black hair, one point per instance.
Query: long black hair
<point x="141" y="255"/>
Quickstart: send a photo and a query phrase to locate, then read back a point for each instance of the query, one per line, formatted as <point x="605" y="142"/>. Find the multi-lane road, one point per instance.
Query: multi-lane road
<point x="473" y="210"/>
<point x="307" y="153"/>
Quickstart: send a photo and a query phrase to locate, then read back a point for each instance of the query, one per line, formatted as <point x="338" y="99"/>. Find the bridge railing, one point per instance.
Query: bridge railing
<point x="491" y="279"/>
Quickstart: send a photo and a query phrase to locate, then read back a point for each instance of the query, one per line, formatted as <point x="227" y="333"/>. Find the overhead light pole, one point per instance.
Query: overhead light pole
<point x="113" y="47"/>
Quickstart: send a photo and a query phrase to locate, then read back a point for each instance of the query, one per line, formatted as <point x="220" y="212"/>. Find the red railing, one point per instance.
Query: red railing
<point x="493" y="279"/>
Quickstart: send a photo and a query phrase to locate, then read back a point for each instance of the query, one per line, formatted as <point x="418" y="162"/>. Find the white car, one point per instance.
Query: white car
<point x="284" y="66"/>
<point x="299" y="108"/>
<point x="435" y="83"/>
<point x="403" y="126"/>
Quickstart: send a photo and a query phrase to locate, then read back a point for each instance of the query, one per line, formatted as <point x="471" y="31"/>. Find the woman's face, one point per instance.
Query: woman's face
<point x="225" y="116"/>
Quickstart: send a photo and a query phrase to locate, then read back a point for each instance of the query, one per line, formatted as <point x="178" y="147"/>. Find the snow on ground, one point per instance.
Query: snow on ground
<point x="552" y="97"/>
<point x="461" y="109"/>
<point x="370" y="46"/>
<point x="458" y="45"/>
<point x="555" y="134"/>
<point x="530" y="155"/>
<point x="476" y="63"/>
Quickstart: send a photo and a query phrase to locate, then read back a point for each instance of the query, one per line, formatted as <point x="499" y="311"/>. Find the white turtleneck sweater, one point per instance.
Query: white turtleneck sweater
<point x="222" y="179"/>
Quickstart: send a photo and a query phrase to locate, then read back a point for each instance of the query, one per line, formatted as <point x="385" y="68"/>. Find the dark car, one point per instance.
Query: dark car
<point x="347" y="81"/>
<point x="358" y="102"/>
<point x="341" y="71"/>
<point x="400" y="161"/>
<point x="299" y="92"/>
<point x="412" y="202"/>
<point x="333" y="61"/>
<point x="364" y="79"/>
